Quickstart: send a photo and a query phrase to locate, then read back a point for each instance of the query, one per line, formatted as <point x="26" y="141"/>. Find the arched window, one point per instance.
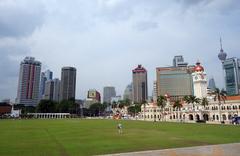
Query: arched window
<point x="190" y="117"/>
<point x="224" y="117"/>
<point x="229" y="117"/>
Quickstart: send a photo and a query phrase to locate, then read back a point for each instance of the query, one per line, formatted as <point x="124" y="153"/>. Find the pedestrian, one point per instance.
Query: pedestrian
<point x="119" y="128"/>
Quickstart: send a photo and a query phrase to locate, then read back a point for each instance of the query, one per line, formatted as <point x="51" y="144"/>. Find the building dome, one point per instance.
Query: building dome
<point x="198" y="67"/>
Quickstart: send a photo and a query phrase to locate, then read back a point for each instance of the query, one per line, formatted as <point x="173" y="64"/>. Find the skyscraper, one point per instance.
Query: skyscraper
<point x="45" y="76"/>
<point x="128" y="92"/>
<point x="28" y="83"/>
<point x="154" y="91"/>
<point x="174" y="81"/>
<point x="48" y="74"/>
<point x="211" y="84"/>
<point x="68" y="83"/>
<point x="231" y="68"/>
<point x="49" y="88"/>
<point x="140" y="87"/>
<point x="43" y="80"/>
<point x="56" y="89"/>
<point x="108" y="93"/>
<point x="178" y="61"/>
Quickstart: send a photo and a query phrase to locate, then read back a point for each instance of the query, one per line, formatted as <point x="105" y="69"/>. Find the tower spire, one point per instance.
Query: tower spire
<point x="222" y="55"/>
<point x="221" y="43"/>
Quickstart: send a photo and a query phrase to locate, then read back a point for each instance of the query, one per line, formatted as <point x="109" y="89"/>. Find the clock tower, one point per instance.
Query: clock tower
<point x="199" y="81"/>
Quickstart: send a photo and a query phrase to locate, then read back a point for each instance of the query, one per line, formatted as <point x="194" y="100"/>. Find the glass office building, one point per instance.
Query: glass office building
<point x="175" y="81"/>
<point x="231" y="68"/>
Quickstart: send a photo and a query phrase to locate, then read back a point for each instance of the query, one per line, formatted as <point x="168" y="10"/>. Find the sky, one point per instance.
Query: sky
<point x="106" y="39"/>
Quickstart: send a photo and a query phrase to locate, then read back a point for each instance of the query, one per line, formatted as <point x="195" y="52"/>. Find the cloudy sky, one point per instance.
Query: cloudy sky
<point x="106" y="39"/>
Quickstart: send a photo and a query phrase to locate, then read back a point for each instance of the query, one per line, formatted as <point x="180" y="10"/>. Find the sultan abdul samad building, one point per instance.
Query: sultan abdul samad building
<point x="215" y="112"/>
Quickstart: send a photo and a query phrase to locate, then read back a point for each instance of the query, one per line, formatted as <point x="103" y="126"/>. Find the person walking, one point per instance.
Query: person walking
<point x="119" y="128"/>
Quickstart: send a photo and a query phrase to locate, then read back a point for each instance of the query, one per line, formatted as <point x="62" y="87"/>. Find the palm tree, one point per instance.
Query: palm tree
<point x="162" y="102"/>
<point x="127" y="102"/>
<point x="114" y="104"/>
<point x="204" y="102"/>
<point x="191" y="99"/>
<point x="220" y="96"/>
<point x="177" y="104"/>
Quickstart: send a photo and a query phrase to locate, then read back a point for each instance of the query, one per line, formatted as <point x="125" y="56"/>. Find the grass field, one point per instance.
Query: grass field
<point x="91" y="137"/>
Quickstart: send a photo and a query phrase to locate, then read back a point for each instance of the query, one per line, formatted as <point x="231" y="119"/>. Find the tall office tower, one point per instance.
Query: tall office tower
<point x="231" y="68"/>
<point x="128" y="93"/>
<point x="49" y="88"/>
<point x="140" y="87"/>
<point x="48" y="74"/>
<point x="155" y="91"/>
<point x="56" y="89"/>
<point x="174" y="81"/>
<point x="199" y="81"/>
<point x="68" y="83"/>
<point x="28" y="83"/>
<point x="211" y="84"/>
<point x="108" y="93"/>
<point x="43" y="80"/>
<point x="178" y="61"/>
<point x="45" y="76"/>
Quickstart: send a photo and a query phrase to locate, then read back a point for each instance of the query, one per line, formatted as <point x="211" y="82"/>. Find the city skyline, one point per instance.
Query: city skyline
<point x="114" y="36"/>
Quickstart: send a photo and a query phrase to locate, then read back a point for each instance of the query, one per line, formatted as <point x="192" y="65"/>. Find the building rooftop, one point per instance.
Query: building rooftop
<point x="237" y="97"/>
<point x="139" y="69"/>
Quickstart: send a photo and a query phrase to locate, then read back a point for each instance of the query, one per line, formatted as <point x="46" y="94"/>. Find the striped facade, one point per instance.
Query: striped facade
<point x="28" y="83"/>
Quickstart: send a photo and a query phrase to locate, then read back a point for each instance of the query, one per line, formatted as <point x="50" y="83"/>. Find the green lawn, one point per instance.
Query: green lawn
<point x="91" y="137"/>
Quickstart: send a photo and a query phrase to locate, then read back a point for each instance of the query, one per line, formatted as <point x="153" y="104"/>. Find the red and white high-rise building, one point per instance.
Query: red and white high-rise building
<point x="140" y="87"/>
<point x="28" y="83"/>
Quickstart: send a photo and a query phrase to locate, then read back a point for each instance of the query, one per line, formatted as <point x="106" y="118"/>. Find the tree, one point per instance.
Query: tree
<point x="220" y="96"/>
<point x="63" y="106"/>
<point x="162" y="102"/>
<point x="114" y="104"/>
<point x="46" y="106"/>
<point x="127" y="102"/>
<point x="134" y="109"/>
<point x="96" y="109"/>
<point x="204" y="102"/>
<point x="121" y="104"/>
<point x="177" y="104"/>
<point x="193" y="100"/>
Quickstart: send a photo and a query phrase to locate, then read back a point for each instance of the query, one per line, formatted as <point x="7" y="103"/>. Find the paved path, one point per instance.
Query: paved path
<point x="211" y="150"/>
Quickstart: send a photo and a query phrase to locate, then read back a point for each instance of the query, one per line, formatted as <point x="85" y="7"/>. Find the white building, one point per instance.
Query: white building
<point x="199" y="81"/>
<point x="213" y="113"/>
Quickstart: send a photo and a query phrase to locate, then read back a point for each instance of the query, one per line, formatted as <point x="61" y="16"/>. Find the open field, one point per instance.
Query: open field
<point x="91" y="137"/>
